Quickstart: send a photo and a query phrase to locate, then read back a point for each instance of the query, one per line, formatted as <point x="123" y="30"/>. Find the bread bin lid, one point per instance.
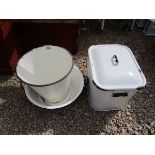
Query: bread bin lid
<point x="114" y="66"/>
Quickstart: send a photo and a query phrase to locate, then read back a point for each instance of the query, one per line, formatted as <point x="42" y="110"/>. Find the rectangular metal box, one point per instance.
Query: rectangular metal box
<point x="114" y="76"/>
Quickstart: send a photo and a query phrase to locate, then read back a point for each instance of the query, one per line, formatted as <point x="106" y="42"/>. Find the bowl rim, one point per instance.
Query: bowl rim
<point x="43" y="85"/>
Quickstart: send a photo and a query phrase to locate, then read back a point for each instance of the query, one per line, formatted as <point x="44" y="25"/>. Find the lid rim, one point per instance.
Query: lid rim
<point x="142" y="83"/>
<point x="43" y="85"/>
<point x="115" y="88"/>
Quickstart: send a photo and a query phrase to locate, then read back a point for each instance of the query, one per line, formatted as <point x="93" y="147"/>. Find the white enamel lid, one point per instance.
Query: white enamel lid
<point x="44" y="65"/>
<point x="115" y="67"/>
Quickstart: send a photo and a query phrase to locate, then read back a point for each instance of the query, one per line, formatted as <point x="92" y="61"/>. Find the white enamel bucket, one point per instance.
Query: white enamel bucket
<point x="47" y="70"/>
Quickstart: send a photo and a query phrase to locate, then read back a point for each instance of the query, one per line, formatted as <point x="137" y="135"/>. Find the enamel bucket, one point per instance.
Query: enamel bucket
<point x="47" y="70"/>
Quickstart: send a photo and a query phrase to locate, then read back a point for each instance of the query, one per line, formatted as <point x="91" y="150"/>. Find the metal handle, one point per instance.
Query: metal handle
<point x="86" y="80"/>
<point x="114" y="60"/>
<point x="120" y="94"/>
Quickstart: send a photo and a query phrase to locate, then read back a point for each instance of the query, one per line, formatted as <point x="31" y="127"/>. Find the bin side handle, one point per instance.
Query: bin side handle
<point x="120" y="94"/>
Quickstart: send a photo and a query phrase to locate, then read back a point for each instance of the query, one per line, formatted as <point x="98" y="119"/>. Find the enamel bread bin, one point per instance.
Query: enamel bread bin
<point x="114" y="76"/>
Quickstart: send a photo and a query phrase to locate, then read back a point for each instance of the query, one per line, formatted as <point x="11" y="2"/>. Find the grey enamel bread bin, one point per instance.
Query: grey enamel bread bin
<point x="114" y="76"/>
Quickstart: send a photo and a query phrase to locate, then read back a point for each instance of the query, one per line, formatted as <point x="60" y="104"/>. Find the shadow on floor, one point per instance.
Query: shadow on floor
<point x="5" y="78"/>
<point x="19" y="116"/>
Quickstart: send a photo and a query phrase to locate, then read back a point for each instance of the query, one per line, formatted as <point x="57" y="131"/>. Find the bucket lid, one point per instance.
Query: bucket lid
<point x="115" y="67"/>
<point x="45" y="65"/>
